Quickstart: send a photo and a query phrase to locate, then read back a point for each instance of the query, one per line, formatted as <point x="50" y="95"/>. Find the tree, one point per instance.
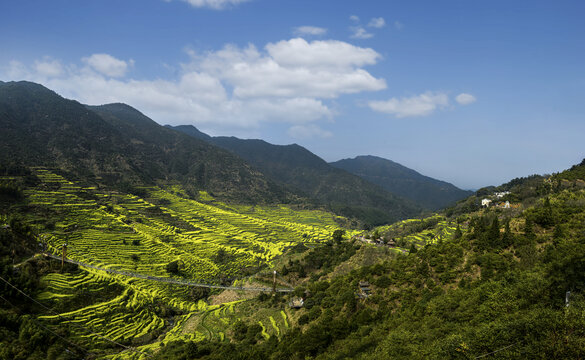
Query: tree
<point x="458" y="233"/>
<point x="198" y="293"/>
<point x="299" y="291"/>
<point x="544" y="216"/>
<point x="173" y="267"/>
<point x="240" y="330"/>
<point x="338" y="235"/>
<point x="508" y="237"/>
<point x="494" y="233"/>
<point x="412" y="249"/>
<point x="529" y="229"/>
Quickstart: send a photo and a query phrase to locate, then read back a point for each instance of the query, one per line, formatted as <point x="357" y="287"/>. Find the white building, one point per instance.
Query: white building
<point x="500" y="195"/>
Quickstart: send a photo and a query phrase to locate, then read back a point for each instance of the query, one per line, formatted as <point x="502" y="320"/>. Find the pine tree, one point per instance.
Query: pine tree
<point x="529" y="230"/>
<point x="412" y="249"/>
<point x="458" y="233"/>
<point x="494" y="234"/>
<point x="508" y="237"/>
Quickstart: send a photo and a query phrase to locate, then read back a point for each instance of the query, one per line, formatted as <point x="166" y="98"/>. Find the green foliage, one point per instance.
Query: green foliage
<point x="458" y="233"/>
<point x="240" y="330"/>
<point x="10" y="191"/>
<point x="117" y="146"/>
<point x="412" y="249"/>
<point x="464" y="290"/>
<point x="173" y="267"/>
<point x="338" y="235"/>
<point x="310" y="176"/>
<point x="544" y="215"/>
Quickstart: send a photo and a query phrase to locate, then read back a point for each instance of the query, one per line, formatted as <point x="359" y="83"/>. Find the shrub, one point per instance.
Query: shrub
<point x="173" y="267"/>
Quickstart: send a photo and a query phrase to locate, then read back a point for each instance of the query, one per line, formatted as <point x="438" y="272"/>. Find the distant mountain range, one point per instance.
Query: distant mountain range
<point x="117" y="146"/>
<point x="308" y="175"/>
<point x="430" y="193"/>
<point x="305" y="171"/>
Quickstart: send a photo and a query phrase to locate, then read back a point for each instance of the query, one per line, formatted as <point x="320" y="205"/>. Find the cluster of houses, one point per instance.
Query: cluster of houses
<point x="379" y="241"/>
<point x="486" y="202"/>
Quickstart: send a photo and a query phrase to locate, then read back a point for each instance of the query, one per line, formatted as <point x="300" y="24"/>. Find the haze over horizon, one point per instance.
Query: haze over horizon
<point x="473" y="94"/>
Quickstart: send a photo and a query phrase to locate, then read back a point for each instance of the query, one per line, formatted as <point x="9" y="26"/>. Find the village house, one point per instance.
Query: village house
<point x="364" y="289"/>
<point x="296" y="303"/>
<point x="500" y="195"/>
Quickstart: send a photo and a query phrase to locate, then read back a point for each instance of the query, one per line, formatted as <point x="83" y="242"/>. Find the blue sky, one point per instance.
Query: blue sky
<point x="471" y="92"/>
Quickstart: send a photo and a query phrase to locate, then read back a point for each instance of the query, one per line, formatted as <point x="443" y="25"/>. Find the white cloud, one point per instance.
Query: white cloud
<point x="321" y="54"/>
<point x="360" y="33"/>
<point x="354" y="18"/>
<point x="108" y="65"/>
<point x="308" y="131"/>
<point x="232" y="88"/>
<point x="398" y="25"/>
<point x="214" y="4"/>
<point x="293" y="68"/>
<point x="377" y="23"/>
<point x="49" y="68"/>
<point x="465" y="99"/>
<point x="295" y="110"/>
<point x="310" y="30"/>
<point x="419" y="105"/>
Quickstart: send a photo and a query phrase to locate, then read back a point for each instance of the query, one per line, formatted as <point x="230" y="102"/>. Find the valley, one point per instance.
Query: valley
<point x="214" y="243"/>
<point x="142" y="242"/>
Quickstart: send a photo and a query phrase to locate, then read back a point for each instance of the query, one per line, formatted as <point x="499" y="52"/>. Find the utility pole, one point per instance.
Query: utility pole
<point x="63" y="255"/>
<point x="274" y="282"/>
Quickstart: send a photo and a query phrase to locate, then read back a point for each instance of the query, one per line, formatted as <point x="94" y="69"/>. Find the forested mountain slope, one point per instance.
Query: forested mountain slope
<point x="309" y="175"/>
<point x="118" y="146"/>
<point x="430" y="193"/>
<point x="507" y="283"/>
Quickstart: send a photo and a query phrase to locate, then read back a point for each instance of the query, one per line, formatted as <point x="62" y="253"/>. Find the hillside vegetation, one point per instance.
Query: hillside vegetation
<point x="486" y="281"/>
<point x="309" y="176"/>
<point x="117" y="146"/>
<point x="108" y="251"/>
<point x="497" y="285"/>
<point x="162" y="234"/>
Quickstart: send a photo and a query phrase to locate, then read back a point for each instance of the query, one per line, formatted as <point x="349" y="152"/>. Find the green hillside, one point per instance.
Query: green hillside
<point x="310" y="176"/>
<point x="429" y="193"/>
<point x="475" y="282"/>
<point x="125" y="243"/>
<point x="107" y="251"/>
<point x="116" y="145"/>
<point x="496" y="282"/>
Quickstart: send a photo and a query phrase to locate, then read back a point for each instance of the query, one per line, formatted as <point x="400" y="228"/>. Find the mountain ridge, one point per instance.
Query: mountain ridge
<point x="431" y="193"/>
<point x="307" y="174"/>
<point x="117" y="145"/>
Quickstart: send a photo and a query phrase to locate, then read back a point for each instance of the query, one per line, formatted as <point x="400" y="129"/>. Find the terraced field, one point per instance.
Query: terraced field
<point x="217" y="321"/>
<point x="440" y="230"/>
<point x="212" y="242"/>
